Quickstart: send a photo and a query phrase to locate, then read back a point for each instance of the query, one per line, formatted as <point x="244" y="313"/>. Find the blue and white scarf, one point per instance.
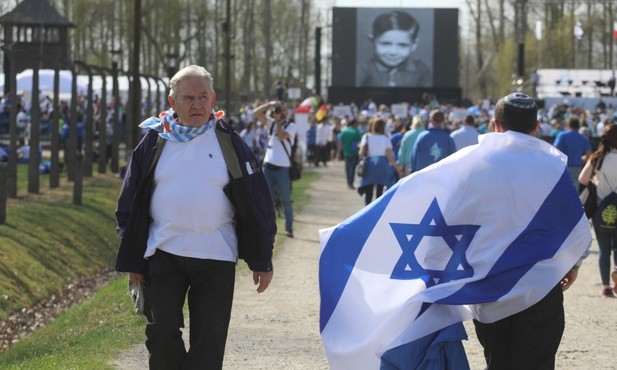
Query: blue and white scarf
<point x="170" y="129"/>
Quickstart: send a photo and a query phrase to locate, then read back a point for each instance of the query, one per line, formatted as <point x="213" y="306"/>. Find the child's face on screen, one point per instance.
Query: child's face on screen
<point x="393" y="47"/>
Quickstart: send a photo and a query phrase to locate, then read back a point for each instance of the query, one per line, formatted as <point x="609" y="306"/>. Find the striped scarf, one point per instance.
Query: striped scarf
<point x="170" y="129"/>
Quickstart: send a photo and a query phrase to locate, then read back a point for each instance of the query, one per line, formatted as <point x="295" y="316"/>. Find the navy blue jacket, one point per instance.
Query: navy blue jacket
<point x="248" y="193"/>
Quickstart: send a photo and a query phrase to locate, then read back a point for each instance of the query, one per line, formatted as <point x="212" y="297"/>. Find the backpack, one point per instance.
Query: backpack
<point x="605" y="218"/>
<point x="295" y="171"/>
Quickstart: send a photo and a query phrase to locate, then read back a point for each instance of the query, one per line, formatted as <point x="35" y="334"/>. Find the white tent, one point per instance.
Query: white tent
<point x="46" y="81"/>
<point x="46" y="84"/>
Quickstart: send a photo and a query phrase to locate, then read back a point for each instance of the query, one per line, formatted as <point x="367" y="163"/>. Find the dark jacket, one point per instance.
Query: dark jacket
<point x="248" y="193"/>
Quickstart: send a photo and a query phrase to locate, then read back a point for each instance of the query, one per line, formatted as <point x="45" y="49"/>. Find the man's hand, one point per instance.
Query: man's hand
<point x="137" y="278"/>
<point x="569" y="279"/>
<point x="263" y="279"/>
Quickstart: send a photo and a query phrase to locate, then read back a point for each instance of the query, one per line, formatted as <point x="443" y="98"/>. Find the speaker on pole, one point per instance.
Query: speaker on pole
<point x="318" y="61"/>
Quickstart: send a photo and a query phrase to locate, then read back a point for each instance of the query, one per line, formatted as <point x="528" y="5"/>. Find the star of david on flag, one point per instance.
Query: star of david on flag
<point x="399" y="277"/>
<point x="457" y="239"/>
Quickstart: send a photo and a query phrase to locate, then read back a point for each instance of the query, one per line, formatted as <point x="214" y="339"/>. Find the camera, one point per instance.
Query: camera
<point x="277" y="110"/>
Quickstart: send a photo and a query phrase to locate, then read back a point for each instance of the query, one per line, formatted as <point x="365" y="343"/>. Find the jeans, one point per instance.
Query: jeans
<point x="210" y="288"/>
<point x="350" y="169"/>
<point x="606" y="244"/>
<point x="280" y="185"/>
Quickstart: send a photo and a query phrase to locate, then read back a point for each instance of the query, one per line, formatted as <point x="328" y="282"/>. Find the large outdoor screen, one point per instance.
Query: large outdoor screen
<point x="395" y="47"/>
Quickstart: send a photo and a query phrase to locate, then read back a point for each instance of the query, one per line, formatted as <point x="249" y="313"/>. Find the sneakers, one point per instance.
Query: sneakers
<point x="289" y="233"/>
<point x="614" y="277"/>
<point x="607" y="293"/>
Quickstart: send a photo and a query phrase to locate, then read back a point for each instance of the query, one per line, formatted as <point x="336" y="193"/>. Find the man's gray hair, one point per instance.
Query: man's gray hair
<point x="186" y="73"/>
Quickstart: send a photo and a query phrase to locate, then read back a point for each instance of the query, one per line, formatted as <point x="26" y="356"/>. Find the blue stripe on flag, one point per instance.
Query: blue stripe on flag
<point x="351" y="236"/>
<point x="439" y="350"/>
<point x="559" y="214"/>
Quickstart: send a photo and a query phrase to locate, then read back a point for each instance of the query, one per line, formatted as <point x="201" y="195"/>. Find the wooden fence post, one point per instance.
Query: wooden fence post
<point x="4" y="192"/>
<point x="78" y="184"/>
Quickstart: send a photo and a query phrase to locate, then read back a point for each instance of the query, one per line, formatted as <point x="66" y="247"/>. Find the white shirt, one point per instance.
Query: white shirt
<point x="192" y="216"/>
<point x="322" y="134"/>
<point x="377" y="144"/>
<point x="276" y="154"/>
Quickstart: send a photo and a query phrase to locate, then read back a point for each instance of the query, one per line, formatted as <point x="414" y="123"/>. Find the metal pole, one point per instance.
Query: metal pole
<point x="54" y="173"/>
<point x="136" y="83"/>
<point x="78" y="184"/>
<point x="3" y="192"/>
<point x="520" y="24"/>
<point x="102" y="125"/>
<point x="12" y="171"/>
<point x="70" y="150"/>
<point x="318" y="61"/>
<point x="228" y="59"/>
<point x="115" y="139"/>
<point x="88" y="123"/>
<point x="34" y="139"/>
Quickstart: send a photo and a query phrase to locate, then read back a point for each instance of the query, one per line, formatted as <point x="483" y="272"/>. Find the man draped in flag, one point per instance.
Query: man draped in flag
<point x="484" y="234"/>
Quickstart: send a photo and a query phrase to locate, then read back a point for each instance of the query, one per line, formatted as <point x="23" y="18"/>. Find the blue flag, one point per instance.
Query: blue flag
<point x="484" y="234"/>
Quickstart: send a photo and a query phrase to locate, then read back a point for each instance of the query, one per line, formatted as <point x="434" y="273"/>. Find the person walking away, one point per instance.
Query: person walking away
<point x="467" y="134"/>
<point x="277" y="159"/>
<point x="311" y="142"/>
<point x="510" y="252"/>
<point x="433" y="144"/>
<point x="576" y="146"/>
<point x="601" y="169"/>
<point x="350" y="138"/>
<point x="322" y="134"/>
<point x="530" y="338"/>
<point x="379" y="173"/>
<point x="407" y="142"/>
<point x="193" y="201"/>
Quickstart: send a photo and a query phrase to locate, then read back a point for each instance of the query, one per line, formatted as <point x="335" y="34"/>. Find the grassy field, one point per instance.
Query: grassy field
<point x="46" y="242"/>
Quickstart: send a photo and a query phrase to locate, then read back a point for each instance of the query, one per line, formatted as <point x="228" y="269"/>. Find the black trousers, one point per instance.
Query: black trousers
<point x="210" y="287"/>
<point x="527" y="340"/>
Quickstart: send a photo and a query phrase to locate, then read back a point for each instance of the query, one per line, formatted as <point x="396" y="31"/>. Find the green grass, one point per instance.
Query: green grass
<point x="85" y="337"/>
<point x="47" y="241"/>
<point x="92" y="334"/>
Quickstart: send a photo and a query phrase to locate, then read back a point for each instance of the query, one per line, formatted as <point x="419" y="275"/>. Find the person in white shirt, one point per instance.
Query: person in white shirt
<point x="322" y="135"/>
<point x="277" y="159"/>
<point x="192" y="203"/>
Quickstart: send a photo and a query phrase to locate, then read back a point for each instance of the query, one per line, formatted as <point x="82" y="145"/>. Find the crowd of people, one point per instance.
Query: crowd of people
<point x="250" y="177"/>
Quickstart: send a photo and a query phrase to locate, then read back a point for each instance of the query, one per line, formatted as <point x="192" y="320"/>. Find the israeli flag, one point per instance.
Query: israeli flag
<point x="484" y="234"/>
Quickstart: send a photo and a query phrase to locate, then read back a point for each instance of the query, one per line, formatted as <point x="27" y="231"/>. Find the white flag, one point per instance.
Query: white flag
<point x="398" y="277"/>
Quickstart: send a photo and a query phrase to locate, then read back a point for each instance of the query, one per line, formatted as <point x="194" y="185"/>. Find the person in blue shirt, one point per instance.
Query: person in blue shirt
<point x="311" y="142"/>
<point x="576" y="146"/>
<point x="432" y="145"/>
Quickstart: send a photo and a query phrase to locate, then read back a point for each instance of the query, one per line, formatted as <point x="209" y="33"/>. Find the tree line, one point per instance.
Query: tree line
<point x="273" y="40"/>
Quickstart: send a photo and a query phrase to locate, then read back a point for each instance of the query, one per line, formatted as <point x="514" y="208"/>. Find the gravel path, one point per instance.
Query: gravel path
<point x="279" y="329"/>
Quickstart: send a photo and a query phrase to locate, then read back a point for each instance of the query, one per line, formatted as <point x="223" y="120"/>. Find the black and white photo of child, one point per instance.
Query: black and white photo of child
<point x="399" y="49"/>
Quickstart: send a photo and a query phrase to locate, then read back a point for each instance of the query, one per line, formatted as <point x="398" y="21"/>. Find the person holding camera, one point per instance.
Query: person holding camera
<point x="277" y="158"/>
